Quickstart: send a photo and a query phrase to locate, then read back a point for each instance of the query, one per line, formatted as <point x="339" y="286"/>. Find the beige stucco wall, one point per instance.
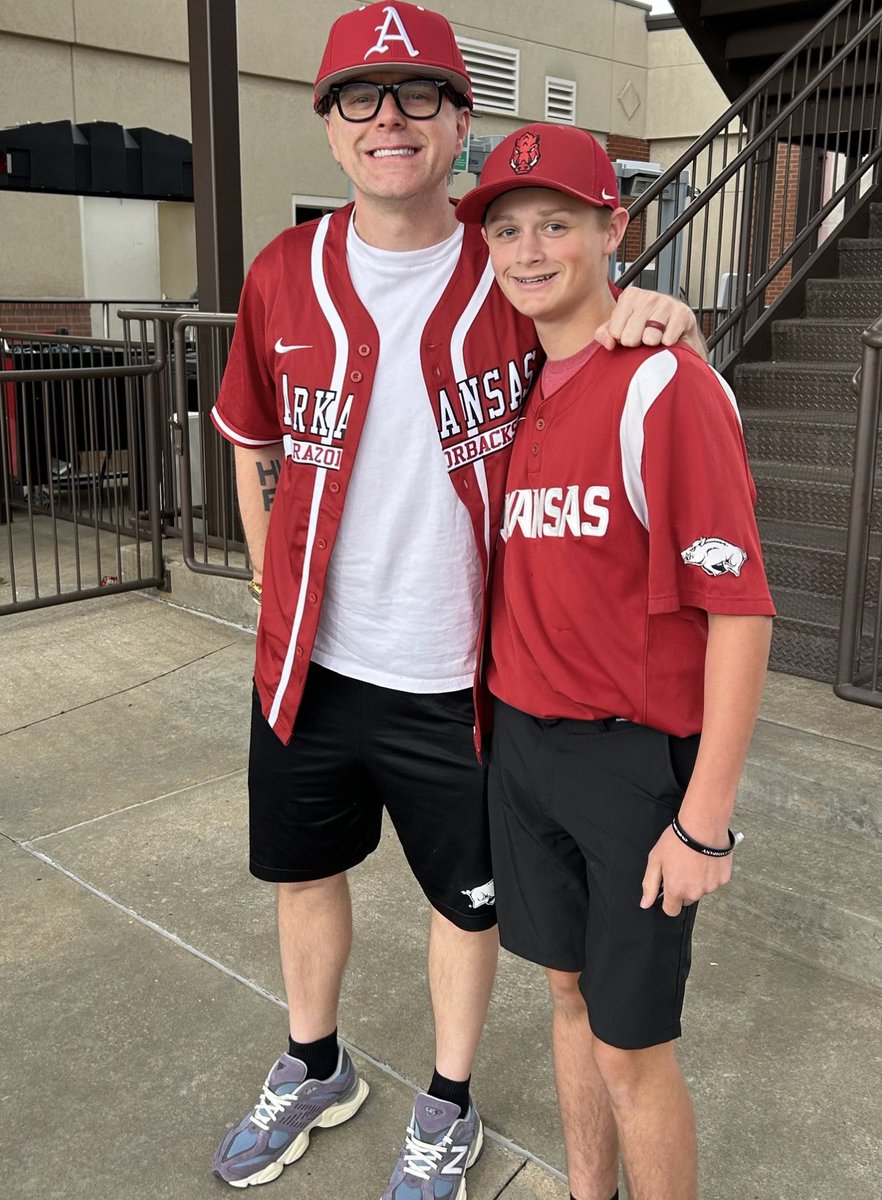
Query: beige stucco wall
<point x="42" y="248"/>
<point x="177" y="250"/>
<point x="107" y="60"/>
<point x="683" y="98"/>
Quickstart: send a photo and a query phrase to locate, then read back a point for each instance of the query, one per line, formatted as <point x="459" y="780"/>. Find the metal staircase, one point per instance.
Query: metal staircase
<point x="780" y="251"/>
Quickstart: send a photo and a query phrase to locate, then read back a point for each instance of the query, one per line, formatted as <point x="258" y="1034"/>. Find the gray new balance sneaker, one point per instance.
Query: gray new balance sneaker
<point x="439" y="1148"/>
<point x="277" y="1131"/>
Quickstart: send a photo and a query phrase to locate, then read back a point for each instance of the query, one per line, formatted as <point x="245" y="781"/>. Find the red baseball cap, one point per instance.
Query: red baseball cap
<point x="544" y="156"/>
<point x="397" y="37"/>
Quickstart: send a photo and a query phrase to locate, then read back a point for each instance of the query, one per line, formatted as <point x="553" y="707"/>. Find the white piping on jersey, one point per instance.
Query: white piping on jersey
<point x="341" y="357"/>
<point x="457" y="356"/>
<point x="647" y="384"/>
<point x="237" y="437"/>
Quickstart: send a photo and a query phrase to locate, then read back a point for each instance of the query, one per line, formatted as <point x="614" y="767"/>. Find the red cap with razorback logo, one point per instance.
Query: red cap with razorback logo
<point x="392" y="37"/>
<point x="548" y="156"/>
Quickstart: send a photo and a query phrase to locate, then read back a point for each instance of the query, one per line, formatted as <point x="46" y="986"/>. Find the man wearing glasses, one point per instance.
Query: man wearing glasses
<point x="378" y="363"/>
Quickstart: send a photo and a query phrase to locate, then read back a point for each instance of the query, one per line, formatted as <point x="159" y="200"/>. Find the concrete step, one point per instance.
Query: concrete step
<point x="817" y="438"/>
<point x="844" y="298"/>
<point x="860" y="257"/>
<point x="814" y="895"/>
<point x="819" y="339"/>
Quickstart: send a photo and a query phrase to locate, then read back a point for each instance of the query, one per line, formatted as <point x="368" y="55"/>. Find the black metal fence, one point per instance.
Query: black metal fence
<point x="106" y="448"/>
<point x="79" y="451"/>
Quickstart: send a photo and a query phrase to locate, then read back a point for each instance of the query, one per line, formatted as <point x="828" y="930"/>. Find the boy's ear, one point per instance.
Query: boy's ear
<point x="618" y="223"/>
<point x="484" y="233"/>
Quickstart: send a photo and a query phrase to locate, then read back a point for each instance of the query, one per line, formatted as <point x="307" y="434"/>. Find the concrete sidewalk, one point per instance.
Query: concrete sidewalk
<point x="139" y="981"/>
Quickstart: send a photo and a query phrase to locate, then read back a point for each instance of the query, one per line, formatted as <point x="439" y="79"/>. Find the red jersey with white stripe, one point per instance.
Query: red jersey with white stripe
<point x="301" y="370"/>
<point x="628" y="518"/>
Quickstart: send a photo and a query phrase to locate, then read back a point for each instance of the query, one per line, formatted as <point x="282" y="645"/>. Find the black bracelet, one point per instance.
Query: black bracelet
<point x="698" y="847"/>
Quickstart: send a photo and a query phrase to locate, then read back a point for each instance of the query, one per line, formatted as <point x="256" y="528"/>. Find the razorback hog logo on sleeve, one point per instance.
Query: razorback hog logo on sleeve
<point x="715" y="556"/>
<point x="480" y="416"/>
<point x="525" y="155"/>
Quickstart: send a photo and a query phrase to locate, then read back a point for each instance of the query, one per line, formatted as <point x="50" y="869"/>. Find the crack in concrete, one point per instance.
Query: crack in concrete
<point x="122" y="691"/>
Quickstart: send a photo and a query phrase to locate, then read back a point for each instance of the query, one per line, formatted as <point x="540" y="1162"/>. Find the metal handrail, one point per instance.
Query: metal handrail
<point x="857" y="679"/>
<point x="762" y="129"/>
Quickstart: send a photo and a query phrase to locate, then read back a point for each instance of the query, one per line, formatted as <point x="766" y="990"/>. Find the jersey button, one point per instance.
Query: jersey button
<point x="364" y="349"/>
<point x="313" y="598"/>
<point x="436" y="371"/>
<point x="334" y="486"/>
<point x="322" y="544"/>
<point x="540" y="424"/>
<point x="535" y="448"/>
<point x="299" y="652"/>
<point x="356" y="376"/>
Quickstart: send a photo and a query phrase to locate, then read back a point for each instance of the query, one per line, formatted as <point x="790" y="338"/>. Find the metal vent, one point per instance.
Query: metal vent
<point x="494" y="72"/>
<point x="560" y="100"/>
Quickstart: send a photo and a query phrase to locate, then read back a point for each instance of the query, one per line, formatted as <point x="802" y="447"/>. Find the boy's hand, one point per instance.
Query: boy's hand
<point x="650" y="319"/>
<point x="682" y="875"/>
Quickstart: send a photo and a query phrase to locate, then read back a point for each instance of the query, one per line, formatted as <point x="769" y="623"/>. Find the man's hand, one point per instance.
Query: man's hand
<point x="630" y="324"/>
<point x="680" y="874"/>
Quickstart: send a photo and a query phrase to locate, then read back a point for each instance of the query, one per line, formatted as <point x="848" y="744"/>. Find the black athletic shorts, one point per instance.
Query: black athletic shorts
<point x="316" y="805"/>
<point x="575" y="808"/>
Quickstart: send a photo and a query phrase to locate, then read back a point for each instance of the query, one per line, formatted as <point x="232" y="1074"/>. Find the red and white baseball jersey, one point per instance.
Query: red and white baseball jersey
<point x="628" y="518"/>
<point x="300" y="371"/>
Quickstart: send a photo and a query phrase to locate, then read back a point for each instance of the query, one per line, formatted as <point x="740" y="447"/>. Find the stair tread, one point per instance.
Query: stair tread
<point x="795" y="366"/>
<point x="772" y="471"/>
<point x="805" y="322"/>
<point x="818" y="612"/>
<point x="813" y="537"/>
<point x="801" y="418"/>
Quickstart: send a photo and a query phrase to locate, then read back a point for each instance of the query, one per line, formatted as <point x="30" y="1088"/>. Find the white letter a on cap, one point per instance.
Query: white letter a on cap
<point x="381" y="45"/>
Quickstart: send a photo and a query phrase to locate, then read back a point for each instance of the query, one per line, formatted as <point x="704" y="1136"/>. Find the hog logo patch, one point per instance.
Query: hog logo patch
<point x="715" y="556"/>
<point x="525" y="155"/>
<point x="485" y="894"/>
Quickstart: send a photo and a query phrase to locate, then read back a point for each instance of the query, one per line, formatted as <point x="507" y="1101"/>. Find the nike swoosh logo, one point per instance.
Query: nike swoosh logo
<point x="281" y="348"/>
<point x="604" y="196"/>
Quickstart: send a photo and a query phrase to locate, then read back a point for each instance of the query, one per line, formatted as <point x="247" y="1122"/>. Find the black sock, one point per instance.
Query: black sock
<point x="451" y="1090"/>
<point x="320" y="1057"/>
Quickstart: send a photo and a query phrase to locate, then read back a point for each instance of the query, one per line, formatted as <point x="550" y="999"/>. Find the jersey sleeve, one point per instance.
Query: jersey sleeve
<point x="704" y="546"/>
<point x="246" y="412"/>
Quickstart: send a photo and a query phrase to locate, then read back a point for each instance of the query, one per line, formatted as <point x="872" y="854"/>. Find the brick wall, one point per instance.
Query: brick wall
<point x="783" y="219"/>
<point x="636" y="150"/>
<point x="50" y="316"/>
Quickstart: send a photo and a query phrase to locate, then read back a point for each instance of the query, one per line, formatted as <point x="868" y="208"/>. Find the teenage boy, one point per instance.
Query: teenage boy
<point x="630" y="614"/>
<point x="372" y="393"/>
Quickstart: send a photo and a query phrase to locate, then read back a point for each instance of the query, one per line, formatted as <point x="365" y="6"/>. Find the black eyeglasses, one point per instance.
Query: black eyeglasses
<point x="418" y="99"/>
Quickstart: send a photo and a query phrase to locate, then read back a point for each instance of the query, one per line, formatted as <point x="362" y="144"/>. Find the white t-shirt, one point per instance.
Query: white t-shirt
<point x="402" y="599"/>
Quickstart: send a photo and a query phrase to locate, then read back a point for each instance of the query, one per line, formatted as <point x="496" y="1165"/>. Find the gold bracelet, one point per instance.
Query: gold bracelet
<point x="255" y="591"/>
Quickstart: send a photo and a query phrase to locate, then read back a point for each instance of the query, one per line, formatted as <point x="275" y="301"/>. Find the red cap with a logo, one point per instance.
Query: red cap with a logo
<point x="392" y="37"/>
<point x="544" y="156"/>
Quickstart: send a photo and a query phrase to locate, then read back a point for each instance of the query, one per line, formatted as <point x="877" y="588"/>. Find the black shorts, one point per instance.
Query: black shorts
<point x="575" y="808"/>
<point x="316" y="805"/>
